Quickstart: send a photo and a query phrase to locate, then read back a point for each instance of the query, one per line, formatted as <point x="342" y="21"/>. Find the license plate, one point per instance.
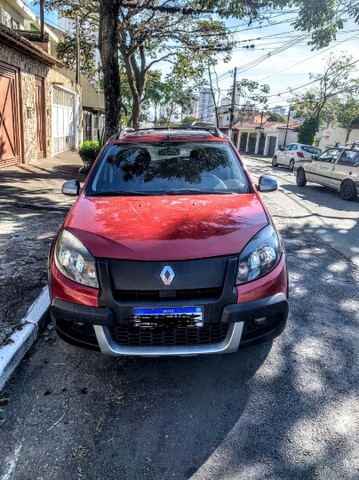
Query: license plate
<point x="168" y="317"/>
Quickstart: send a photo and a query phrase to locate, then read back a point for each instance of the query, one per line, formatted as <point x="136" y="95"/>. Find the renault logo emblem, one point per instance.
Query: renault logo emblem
<point x="167" y="275"/>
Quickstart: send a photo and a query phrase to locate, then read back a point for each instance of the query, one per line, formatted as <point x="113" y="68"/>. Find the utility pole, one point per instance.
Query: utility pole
<point x="77" y="50"/>
<point x="231" y="118"/>
<point x="286" y="128"/>
<point x="42" y="19"/>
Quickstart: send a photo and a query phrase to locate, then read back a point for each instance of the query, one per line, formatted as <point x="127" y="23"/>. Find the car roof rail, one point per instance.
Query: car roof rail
<point x="197" y="127"/>
<point x="353" y="144"/>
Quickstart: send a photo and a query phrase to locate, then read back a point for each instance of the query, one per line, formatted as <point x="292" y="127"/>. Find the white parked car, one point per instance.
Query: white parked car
<point x="293" y="153"/>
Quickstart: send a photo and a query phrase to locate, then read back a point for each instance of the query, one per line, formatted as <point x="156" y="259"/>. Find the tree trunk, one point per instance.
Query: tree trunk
<point x="135" y="111"/>
<point x="108" y="46"/>
<point x="348" y="134"/>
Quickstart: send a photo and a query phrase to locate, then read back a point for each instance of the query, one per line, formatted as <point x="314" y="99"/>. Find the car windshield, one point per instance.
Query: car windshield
<point x="171" y="168"/>
<point x="312" y="150"/>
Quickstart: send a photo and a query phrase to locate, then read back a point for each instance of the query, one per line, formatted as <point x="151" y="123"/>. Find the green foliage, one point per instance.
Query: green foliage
<point x="321" y="100"/>
<point x="307" y="131"/>
<point x="250" y="91"/>
<point x="88" y="153"/>
<point x="348" y="113"/>
<point x="276" y="117"/>
<point x="66" y="52"/>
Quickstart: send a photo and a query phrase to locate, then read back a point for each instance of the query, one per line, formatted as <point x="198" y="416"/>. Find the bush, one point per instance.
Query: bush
<point x="88" y="153"/>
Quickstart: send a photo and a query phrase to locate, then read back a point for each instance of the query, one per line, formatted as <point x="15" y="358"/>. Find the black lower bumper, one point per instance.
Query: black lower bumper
<point x="263" y="320"/>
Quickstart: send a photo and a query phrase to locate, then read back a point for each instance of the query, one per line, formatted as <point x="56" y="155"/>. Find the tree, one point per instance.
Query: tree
<point x="347" y="114"/>
<point x="148" y="37"/>
<point x="307" y="131"/>
<point x="276" y="117"/>
<point x="321" y="18"/>
<point x="66" y="52"/>
<point x="319" y="103"/>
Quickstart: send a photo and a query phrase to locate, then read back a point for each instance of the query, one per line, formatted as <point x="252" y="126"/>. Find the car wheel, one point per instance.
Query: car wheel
<point x="348" y="190"/>
<point x="291" y="165"/>
<point x="301" y="178"/>
<point x="274" y="161"/>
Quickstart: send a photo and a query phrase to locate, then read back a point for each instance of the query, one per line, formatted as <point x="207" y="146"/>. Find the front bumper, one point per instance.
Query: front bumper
<point x="246" y="323"/>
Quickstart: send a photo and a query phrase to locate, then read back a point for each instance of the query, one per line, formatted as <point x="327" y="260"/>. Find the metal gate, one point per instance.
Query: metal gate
<point x="63" y="122"/>
<point x="271" y="147"/>
<point x="10" y="144"/>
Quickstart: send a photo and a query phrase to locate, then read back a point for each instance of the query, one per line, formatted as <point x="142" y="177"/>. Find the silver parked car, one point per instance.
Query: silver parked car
<point x="293" y="153"/>
<point x="337" y="168"/>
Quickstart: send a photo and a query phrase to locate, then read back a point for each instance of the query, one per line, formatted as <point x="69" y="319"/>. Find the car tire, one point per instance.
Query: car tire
<point x="301" y="178"/>
<point x="274" y="161"/>
<point x="348" y="190"/>
<point x="291" y="165"/>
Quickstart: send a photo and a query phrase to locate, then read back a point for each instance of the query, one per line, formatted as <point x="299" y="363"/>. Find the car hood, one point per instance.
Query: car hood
<point x="166" y="227"/>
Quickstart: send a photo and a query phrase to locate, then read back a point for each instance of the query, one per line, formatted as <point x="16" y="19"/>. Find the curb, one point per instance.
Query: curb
<point x="22" y="340"/>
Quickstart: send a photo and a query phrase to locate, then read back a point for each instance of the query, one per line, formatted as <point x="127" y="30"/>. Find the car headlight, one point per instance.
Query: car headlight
<point x="259" y="256"/>
<point x="74" y="260"/>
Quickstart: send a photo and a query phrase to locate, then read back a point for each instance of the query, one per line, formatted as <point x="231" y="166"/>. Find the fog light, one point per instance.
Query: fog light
<point x="260" y="322"/>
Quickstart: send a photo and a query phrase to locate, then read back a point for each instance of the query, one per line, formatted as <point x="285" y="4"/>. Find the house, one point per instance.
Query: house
<point x="257" y="135"/>
<point x="39" y="107"/>
<point x="41" y="111"/>
<point x="93" y="107"/>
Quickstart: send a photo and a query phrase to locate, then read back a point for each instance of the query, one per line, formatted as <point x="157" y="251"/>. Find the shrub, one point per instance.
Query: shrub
<point x="88" y="153"/>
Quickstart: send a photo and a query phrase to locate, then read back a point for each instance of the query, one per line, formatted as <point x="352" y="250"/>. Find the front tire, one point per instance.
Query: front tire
<point x="348" y="191"/>
<point x="291" y="165"/>
<point x="274" y="161"/>
<point x="301" y="178"/>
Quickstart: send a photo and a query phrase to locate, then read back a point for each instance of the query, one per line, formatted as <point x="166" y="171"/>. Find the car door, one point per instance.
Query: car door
<point x="291" y="153"/>
<point x="347" y="167"/>
<point x="320" y="169"/>
<point x="282" y="155"/>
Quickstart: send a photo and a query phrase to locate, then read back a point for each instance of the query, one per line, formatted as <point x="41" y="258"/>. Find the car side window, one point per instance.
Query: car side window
<point x="293" y="147"/>
<point x="329" y="156"/>
<point x="285" y="149"/>
<point x="349" y="158"/>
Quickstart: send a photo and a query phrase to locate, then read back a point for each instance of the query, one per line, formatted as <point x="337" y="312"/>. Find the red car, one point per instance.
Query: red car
<point x="169" y="250"/>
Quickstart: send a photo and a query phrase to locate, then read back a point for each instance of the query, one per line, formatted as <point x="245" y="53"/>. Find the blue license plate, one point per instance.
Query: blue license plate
<point x="175" y="316"/>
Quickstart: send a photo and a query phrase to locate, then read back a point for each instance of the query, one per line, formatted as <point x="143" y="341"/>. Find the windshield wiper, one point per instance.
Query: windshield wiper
<point x="195" y="191"/>
<point x="118" y="193"/>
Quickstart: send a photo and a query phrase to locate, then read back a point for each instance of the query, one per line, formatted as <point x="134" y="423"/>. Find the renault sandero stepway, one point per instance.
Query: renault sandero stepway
<point x="168" y="250"/>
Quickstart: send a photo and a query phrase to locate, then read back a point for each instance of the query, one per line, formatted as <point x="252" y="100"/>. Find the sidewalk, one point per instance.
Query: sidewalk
<point x="32" y="210"/>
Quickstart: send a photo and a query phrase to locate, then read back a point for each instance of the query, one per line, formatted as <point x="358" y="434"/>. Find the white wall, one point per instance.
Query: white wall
<point x="328" y="136"/>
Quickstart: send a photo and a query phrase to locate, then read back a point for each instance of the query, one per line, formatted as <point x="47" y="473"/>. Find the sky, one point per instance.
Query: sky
<point x="284" y="60"/>
<point x="290" y="60"/>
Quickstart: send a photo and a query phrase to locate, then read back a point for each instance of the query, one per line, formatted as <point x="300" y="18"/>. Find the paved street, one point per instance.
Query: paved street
<point x="282" y="410"/>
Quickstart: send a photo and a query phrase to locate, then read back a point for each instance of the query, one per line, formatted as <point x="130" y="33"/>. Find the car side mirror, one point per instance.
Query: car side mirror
<point x="281" y="148"/>
<point x="314" y="157"/>
<point x="72" y="187"/>
<point x="267" y="184"/>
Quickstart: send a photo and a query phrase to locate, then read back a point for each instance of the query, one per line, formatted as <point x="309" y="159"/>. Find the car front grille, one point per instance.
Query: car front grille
<point x="169" y="337"/>
<point x="149" y="295"/>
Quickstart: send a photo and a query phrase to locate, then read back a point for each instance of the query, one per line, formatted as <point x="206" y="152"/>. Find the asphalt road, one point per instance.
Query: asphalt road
<point x="282" y="410"/>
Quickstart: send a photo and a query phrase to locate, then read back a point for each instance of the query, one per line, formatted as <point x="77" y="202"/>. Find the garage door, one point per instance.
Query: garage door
<point x="63" y="123"/>
<point x="9" y="116"/>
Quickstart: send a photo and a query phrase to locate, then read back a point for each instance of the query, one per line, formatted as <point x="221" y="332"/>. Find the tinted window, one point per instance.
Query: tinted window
<point x="312" y="150"/>
<point x="168" y="168"/>
<point x="293" y="147"/>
